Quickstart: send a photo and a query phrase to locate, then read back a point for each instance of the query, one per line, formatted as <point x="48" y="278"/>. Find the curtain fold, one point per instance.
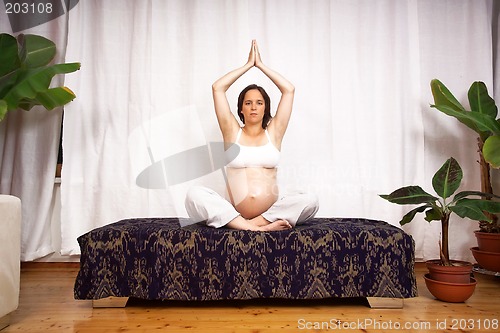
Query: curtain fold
<point x="361" y="124"/>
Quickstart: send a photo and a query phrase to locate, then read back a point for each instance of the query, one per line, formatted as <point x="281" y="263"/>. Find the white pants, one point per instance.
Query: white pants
<point x="206" y="205"/>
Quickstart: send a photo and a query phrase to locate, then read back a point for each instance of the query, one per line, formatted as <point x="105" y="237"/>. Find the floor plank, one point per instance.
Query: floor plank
<point x="47" y="304"/>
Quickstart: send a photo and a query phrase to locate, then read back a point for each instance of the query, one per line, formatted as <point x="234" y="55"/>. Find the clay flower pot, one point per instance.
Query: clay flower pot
<point x="458" y="273"/>
<point x="450" y="292"/>
<point x="487" y="260"/>
<point x="488" y="242"/>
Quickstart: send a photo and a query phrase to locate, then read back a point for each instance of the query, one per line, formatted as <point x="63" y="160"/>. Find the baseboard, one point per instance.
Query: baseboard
<point x="45" y="265"/>
<point x="56" y="257"/>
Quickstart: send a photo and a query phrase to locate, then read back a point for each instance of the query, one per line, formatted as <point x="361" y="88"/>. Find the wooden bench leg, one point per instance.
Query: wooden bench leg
<point x="385" y="302"/>
<point x="110" y="302"/>
<point x="4" y="321"/>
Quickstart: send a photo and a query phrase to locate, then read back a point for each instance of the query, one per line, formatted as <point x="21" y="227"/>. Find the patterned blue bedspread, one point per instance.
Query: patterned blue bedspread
<point x="154" y="258"/>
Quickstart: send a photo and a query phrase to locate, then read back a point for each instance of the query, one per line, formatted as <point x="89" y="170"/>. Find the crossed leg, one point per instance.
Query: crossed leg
<point x="203" y="204"/>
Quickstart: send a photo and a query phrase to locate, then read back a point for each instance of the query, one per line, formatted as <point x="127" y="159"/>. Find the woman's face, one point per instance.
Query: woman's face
<point x="253" y="107"/>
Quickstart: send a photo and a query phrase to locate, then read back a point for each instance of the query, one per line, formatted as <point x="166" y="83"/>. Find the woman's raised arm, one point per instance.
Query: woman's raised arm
<point x="227" y="121"/>
<point x="279" y="123"/>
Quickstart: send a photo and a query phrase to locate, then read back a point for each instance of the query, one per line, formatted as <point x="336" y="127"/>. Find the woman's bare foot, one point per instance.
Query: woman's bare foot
<point x="266" y="225"/>
<point x="277" y="225"/>
<point x="241" y="223"/>
<point x="259" y="221"/>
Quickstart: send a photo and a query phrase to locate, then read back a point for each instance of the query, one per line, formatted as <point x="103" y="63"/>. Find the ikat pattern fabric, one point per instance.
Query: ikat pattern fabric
<point x="155" y="258"/>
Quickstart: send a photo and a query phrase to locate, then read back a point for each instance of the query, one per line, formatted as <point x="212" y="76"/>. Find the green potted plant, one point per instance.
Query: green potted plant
<point x="471" y="204"/>
<point x="482" y="118"/>
<point x="25" y="74"/>
<point x="25" y="77"/>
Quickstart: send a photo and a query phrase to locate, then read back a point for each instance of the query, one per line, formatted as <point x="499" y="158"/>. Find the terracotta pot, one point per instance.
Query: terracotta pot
<point x="488" y="242"/>
<point x="458" y="273"/>
<point x="487" y="260"/>
<point x="450" y="292"/>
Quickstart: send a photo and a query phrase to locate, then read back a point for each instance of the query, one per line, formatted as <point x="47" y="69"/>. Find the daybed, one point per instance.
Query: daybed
<point x="157" y="259"/>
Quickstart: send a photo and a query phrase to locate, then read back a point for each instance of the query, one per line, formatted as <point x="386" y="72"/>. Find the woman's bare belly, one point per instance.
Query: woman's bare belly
<point x="252" y="191"/>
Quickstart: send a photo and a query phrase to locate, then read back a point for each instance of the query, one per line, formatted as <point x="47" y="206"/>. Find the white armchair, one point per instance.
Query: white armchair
<point x="10" y="256"/>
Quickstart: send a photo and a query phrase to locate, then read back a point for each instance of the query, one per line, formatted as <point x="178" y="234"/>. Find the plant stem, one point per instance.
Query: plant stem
<point x="485" y="172"/>
<point x="445" y="254"/>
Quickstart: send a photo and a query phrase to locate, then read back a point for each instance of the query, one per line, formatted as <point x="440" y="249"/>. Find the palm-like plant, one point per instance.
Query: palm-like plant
<point x="25" y="74"/>
<point x="445" y="182"/>
<point x="482" y="119"/>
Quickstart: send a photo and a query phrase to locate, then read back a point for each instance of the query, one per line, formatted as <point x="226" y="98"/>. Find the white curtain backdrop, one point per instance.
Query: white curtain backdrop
<point x="29" y="143"/>
<point x="361" y="124"/>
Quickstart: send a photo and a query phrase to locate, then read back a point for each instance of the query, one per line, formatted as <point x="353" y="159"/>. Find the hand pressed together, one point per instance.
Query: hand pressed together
<point x="254" y="55"/>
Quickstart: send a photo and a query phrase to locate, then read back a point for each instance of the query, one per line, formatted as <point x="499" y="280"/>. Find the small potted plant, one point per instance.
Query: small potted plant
<point x="470" y="204"/>
<point x="482" y="119"/>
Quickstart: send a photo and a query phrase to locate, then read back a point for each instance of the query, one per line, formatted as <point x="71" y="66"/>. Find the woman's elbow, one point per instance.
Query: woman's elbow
<point x="217" y="87"/>
<point x="289" y="89"/>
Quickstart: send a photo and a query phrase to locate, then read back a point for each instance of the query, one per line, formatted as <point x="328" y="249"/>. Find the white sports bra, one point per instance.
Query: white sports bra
<point x="266" y="156"/>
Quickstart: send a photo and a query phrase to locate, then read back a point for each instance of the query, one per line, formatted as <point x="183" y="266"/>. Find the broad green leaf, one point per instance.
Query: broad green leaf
<point x="471" y="212"/>
<point x="433" y="214"/>
<point x="489" y="206"/>
<point x="480" y="101"/>
<point x="409" y="195"/>
<point x="55" y="97"/>
<point x="3" y="109"/>
<point x="7" y="82"/>
<point x="36" y="51"/>
<point x="464" y="194"/>
<point x="408" y="217"/>
<point x="35" y="81"/>
<point x="476" y="121"/>
<point x="442" y="96"/>
<point x="9" y="59"/>
<point x="448" y="178"/>
<point x="491" y="151"/>
<point x="475" y="208"/>
<point x="25" y="76"/>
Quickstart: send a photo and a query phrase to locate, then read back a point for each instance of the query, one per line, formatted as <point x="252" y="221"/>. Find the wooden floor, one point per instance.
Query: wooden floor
<point x="47" y="305"/>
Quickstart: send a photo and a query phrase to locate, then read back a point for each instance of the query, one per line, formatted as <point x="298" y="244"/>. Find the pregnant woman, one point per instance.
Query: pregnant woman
<point x="253" y="201"/>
